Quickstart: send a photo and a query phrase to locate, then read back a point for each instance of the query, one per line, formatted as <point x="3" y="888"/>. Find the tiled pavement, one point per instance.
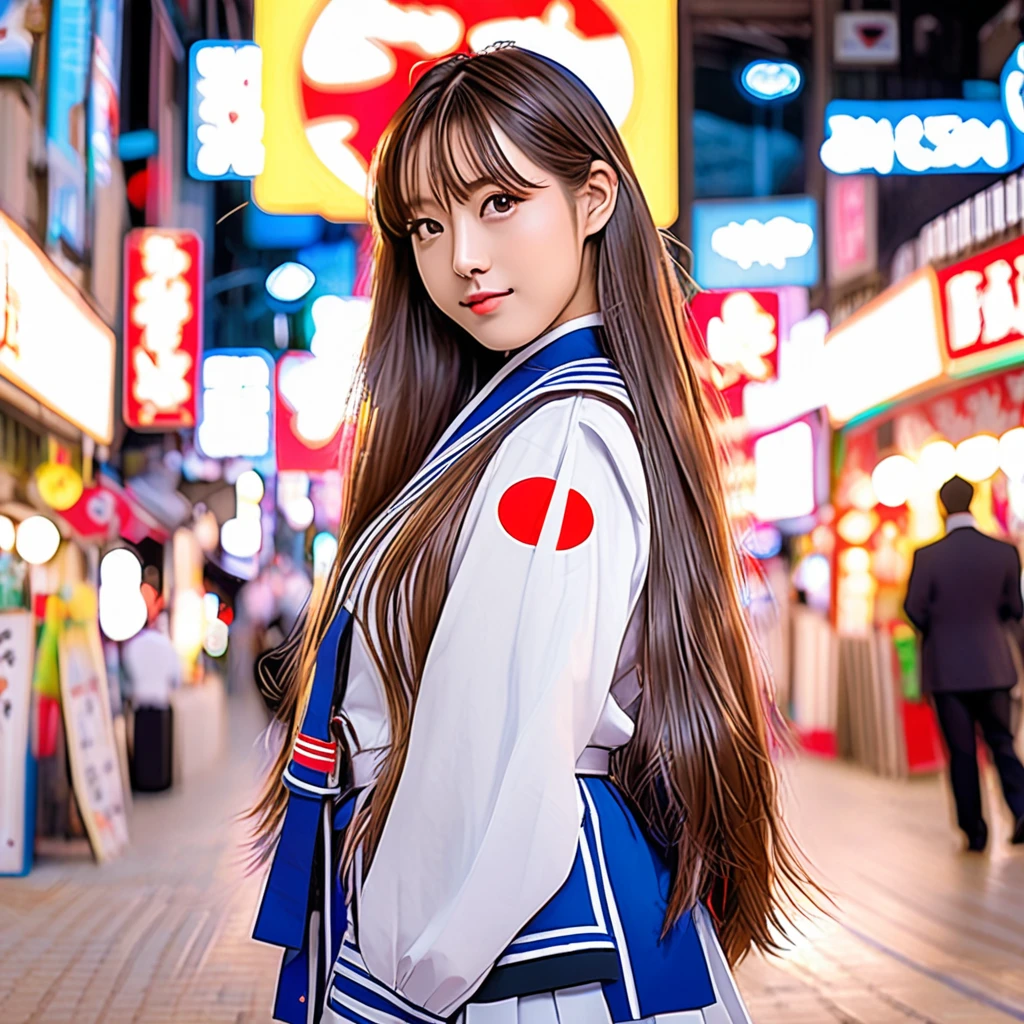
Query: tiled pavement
<point x="923" y="933"/>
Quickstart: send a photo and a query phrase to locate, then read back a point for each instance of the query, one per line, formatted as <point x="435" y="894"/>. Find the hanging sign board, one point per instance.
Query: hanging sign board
<point x="17" y="806"/>
<point x="92" y="745"/>
<point x="163" y="327"/>
<point x="867" y="37"/>
<point x="740" y="331"/>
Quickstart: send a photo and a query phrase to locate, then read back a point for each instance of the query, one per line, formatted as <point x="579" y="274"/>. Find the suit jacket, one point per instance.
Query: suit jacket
<point x="963" y="590"/>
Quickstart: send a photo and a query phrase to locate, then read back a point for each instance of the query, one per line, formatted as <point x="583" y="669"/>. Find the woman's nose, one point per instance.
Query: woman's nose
<point x="469" y="254"/>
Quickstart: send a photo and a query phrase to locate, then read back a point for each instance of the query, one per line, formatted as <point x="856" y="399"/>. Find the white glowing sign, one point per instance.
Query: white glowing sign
<point x="769" y="244"/>
<point x="235" y="419"/>
<point x="52" y="345"/>
<point x="317" y="388"/>
<point x="887" y="349"/>
<point x="784" y="468"/>
<point x="799" y="387"/>
<point x="225" y="113"/>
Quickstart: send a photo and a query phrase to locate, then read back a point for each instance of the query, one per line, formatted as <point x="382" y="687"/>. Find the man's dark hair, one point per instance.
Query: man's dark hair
<point x="956" y="495"/>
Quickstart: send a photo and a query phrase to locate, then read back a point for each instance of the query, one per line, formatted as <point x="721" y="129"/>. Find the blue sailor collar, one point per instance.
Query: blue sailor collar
<point x="568" y="358"/>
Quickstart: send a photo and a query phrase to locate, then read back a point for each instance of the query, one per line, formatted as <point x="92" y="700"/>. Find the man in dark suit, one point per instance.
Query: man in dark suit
<point x="963" y="591"/>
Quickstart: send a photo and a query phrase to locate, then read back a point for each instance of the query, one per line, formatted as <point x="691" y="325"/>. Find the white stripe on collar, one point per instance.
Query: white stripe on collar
<point x="960" y="521"/>
<point x="588" y="320"/>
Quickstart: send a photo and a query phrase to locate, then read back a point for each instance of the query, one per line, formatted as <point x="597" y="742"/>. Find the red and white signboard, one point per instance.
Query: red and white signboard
<point x="740" y="331"/>
<point x="983" y="307"/>
<point x="163" y="328"/>
<point x="867" y="37"/>
<point x="313" y="388"/>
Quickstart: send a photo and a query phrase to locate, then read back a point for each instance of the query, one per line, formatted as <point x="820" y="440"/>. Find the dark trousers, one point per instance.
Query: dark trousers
<point x="959" y="715"/>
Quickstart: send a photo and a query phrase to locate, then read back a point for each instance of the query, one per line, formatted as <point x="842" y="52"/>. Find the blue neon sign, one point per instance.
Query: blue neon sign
<point x="929" y="136"/>
<point x="225" y="116"/>
<point x="756" y="243"/>
<point x="769" y="81"/>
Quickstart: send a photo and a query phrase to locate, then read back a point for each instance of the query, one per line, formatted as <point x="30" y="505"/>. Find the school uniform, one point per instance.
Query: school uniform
<point x="512" y="883"/>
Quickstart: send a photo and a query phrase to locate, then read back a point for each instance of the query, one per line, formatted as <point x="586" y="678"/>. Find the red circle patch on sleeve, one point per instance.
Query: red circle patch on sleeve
<point x="523" y="507"/>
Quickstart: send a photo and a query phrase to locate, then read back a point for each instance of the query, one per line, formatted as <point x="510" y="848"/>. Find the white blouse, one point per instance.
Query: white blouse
<point x="525" y="684"/>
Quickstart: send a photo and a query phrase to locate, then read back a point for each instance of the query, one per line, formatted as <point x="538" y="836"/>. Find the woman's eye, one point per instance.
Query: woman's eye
<point x="425" y="228"/>
<point x="502" y="203"/>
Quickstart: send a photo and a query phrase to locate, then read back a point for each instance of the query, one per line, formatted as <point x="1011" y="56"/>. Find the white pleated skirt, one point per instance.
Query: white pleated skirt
<point x="585" y="1004"/>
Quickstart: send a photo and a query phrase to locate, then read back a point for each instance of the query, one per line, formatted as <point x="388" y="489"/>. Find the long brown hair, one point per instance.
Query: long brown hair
<point x="698" y="769"/>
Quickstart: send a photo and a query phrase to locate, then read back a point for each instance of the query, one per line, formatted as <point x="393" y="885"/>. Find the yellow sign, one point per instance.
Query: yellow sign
<point x="334" y="72"/>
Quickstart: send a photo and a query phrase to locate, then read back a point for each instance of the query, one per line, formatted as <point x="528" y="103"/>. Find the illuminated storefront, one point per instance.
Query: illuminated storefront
<point x="925" y="382"/>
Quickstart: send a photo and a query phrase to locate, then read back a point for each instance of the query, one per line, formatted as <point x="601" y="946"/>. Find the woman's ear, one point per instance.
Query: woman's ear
<point x="597" y="196"/>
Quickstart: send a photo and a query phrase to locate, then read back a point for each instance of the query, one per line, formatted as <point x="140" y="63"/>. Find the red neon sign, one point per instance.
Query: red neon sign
<point x="163" y="328"/>
<point x="739" y="330"/>
<point x="983" y="306"/>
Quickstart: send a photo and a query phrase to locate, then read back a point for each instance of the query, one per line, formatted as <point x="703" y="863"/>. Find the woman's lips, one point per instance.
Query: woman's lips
<point x="485" y="302"/>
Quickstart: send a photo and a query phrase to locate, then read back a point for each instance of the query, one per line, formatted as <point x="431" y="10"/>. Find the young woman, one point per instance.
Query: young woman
<point x="529" y="777"/>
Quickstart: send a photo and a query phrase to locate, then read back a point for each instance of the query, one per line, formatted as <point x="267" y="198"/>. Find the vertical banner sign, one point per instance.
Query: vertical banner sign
<point x="740" y="330"/>
<point x="225" y="118"/>
<point x="17" y="808"/>
<point x="92" y="746"/>
<point x="312" y="387"/>
<point x="104" y="90"/>
<point x="163" y="328"/>
<point x="70" y="38"/>
<point x="851" y="212"/>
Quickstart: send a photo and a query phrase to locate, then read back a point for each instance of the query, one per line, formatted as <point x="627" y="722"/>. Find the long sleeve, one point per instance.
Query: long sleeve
<point x="484" y="824"/>
<point x="918" y="600"/>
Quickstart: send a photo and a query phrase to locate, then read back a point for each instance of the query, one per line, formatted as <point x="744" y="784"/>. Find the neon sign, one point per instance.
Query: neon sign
<point x="756" y="243"/>
<point x="983" y="306"/>
<point x="52" y="345"/>
<point x="740" y="331"/>
<point x="335" y="72"/>
<point x="929" y="136"/>
<point x="225" y="119"/>
<point x="235" y="417"/>
<point x="163" y="328"/>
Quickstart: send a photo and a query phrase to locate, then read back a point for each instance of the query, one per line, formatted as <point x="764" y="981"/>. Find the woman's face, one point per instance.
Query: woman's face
<point x="509" y="267"/>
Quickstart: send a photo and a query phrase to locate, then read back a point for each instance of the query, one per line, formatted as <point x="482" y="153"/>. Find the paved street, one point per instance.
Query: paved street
<point x="923" y="933"/>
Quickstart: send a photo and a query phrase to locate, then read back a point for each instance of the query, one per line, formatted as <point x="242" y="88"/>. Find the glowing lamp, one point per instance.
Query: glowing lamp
<point x="857" y="526"/>
<point x="893" y="480"/>
<point x="37" y="540"/>
<point x="242" y="538"/>
<point x="249" y="488"/>
<point x="6" y="534"/>
<point x="1011" y="453"/>
<point x="298" y="513"/>
<point x="290" y="283"/>
<point x="855" y="560"/>
<point x="122" y="608"/>
<point x="977" y="458"/>
<point x="937" y="463"/>
<point x="769" y="81"/>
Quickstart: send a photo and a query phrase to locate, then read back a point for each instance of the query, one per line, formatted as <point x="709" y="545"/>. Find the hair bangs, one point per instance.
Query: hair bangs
<point x="454" y="133"/>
